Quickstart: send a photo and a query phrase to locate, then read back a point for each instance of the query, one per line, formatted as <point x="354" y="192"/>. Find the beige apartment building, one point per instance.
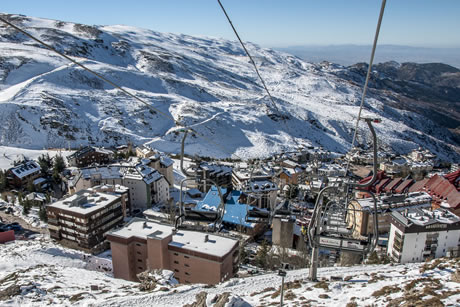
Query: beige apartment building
<point x="194" y="257"/>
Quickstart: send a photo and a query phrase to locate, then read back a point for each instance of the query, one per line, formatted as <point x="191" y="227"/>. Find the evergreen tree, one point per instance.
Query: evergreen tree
<point x="30" y="187"/>
<point x="3" y="181"/>
<point x="56" y="176"/>
<point x="59" y="164"/>
<point x="45" y="163"/>
<point x="243" y="253"/>
<point x="42" y="214"/>
<point x="48" y="198"/>
<point x="262" y="255"/>
<point x="26" y="205"/>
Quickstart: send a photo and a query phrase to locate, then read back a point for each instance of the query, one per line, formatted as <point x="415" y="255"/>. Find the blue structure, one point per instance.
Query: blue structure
<point x="235" y="212"/>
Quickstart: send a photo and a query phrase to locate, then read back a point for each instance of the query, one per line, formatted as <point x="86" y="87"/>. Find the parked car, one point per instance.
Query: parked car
<point x="13" y="227"/>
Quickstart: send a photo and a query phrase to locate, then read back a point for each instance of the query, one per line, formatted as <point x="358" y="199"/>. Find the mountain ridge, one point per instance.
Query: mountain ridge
<point x="202" y="82"/>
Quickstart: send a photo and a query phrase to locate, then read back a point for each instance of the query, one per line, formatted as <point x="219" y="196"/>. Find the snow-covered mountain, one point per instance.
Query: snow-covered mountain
<point x="206" y="83"/>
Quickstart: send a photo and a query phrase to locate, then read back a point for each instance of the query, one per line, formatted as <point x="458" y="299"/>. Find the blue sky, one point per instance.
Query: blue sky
<point x="270" y="23"/>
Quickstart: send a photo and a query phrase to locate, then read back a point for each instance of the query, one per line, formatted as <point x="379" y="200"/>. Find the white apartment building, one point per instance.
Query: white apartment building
<point x="418" y="234"/>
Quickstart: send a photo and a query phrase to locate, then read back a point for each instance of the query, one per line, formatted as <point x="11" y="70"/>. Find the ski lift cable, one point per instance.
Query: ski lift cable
<point x="369" y="70"/>
<point x="257" y="72"/>
<point x="176" y="122"/>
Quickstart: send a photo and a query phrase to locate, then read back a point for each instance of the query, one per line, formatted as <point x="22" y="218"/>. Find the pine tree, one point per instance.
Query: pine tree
<point x="243" y="253"/>
<point x="45" y="163"/>
<point x="3" y="181"/>
<point x="262" y="255"/>
<point x="26" y="205"/>
<point x="59" y="164"/>
<point x="42" y="214"/>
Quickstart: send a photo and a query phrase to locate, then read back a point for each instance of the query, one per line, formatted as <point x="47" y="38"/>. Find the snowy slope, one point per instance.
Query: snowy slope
<point x="205" y="83"/>
<point x="39" y="273"/>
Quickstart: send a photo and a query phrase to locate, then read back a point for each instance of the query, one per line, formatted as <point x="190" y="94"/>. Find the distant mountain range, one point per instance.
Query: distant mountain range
<point x="351" y="54"/>
<point x="210" y="85"/>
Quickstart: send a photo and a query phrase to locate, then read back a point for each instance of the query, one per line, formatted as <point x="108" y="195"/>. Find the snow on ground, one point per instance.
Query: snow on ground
<point x="40" y="272"/>
<point x="9" y="154"/>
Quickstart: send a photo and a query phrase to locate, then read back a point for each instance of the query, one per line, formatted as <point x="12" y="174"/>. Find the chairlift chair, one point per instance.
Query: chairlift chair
<point x="333" y="224"/>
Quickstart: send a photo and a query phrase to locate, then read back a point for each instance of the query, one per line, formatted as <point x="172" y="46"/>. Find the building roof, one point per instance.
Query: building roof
<point x="235" y="212"/>
<point x="442" y="189"/>
<point x="453" y="177"/>
<point x="166" y="161"/>
<point x="424" y="217"/>
<point x="418" y="186"/>
<point x="25" y="169"/>
<point x="88" y="149"/>
<point x="203" y="242"/>
<point x="136" y="171"/>
<point x="404" y="185"/>
<point x="397" y="202"/>
<point x="381" y="184"/>
<point x="216" y="169"/>
<point x="85" y="202"/>
<point x="186" y="239"/>
<point x="392" y="184"/>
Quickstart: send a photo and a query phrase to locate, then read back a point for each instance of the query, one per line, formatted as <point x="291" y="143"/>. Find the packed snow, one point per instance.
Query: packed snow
<point x="39" y="272"/>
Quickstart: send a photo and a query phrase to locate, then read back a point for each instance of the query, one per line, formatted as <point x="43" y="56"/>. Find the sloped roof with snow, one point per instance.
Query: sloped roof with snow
<point x="25" y="169"/>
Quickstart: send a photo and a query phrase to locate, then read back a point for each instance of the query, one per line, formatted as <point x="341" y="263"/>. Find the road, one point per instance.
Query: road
<point x="27" y="228"/>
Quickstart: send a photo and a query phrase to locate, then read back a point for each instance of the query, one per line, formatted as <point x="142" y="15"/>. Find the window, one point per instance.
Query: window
<point x="187" y="265"/>
<point x="187" y="273"/>
<point x="176" y="254"/>
<point x="176" y="270"/>
<point x="140" y="268"/>
<point x="186" y="257"/>
<point x="176" y="262"/>
<point x="139" y="253"/>
<point x="139" y="260"/>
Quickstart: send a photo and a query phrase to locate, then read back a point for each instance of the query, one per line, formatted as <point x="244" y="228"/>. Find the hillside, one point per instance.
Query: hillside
<point x="205" y="83"/>
<point x="39" y="272"/>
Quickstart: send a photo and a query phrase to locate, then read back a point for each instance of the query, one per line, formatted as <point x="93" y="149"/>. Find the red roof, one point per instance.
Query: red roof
<point x="404" y="185"/>
<point x="416" y="187"/>
<point x="381" y="184"/>
<point x="452" y="176"/>
<point x="453" y="199"/>
<point x="394" y="183"/>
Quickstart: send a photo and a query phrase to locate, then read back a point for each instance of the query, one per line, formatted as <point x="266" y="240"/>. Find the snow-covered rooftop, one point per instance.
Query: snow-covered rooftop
<point x="186" y="239"/>
<point x="397" y="202"/>
<point x="85" y="201"/>
<point x="424" y="217"/>
<point x="25" y="169"/>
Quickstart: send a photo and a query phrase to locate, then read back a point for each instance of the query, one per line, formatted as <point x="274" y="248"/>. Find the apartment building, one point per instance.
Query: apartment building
<point x="363" y="219"/>
<point x="81" y="220"/>
<point x="220" y="174"/>
<point x="23" y="174"/>
<point x="159" y="161"/>
<point x="418" y="234"/>
<point x="146" y="185"/>
<point x="194" y="257"/>
<point x="90" y="155"/>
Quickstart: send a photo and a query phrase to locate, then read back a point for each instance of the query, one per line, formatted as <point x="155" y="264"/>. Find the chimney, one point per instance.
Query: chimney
<point x="206" y="238"/>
